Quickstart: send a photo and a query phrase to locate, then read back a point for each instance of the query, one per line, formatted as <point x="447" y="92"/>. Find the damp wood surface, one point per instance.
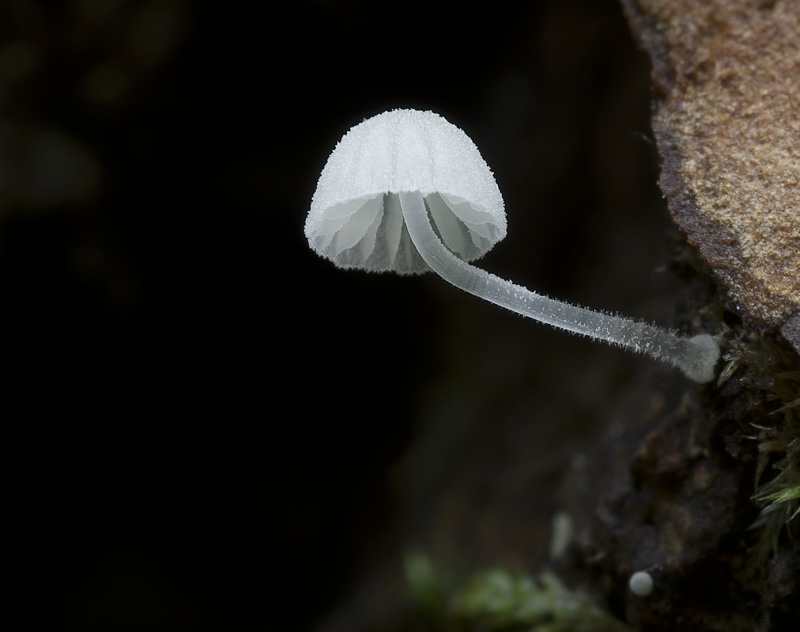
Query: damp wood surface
<point x="726" y="119"/>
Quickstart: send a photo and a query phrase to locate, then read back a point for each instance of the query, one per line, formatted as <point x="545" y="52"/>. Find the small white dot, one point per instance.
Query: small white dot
<point x="641" y="584"/>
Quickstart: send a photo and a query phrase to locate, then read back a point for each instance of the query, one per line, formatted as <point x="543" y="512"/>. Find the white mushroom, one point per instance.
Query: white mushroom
<point x="393" y="174"/>
<point x="641" y="583"/>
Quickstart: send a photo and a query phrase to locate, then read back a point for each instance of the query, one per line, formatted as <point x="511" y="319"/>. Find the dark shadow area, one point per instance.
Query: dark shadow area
<point x="205" y="418"/>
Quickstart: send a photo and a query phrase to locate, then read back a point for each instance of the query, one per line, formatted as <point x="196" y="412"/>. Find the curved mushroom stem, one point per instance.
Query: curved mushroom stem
<point x="695" y="356"/>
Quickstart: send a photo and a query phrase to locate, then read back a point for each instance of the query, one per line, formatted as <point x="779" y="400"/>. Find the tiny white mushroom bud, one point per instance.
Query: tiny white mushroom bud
<point x="641" y="583"/>
<point x="406" y="191"/>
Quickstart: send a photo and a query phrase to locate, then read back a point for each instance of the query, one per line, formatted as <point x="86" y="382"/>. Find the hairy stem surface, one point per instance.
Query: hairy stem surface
<point x="695" y="356"/>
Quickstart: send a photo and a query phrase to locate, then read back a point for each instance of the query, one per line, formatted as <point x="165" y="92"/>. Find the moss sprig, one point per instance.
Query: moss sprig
<point x="771" y="376"/>
<point x="496" y="600"/>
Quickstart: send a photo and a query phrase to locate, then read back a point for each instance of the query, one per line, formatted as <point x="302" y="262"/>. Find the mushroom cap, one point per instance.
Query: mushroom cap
<point x="641" y="583"/>
<point x="355" y="218"/>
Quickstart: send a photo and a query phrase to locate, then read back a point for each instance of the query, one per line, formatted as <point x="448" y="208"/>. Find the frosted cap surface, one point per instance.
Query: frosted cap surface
<point x="355" y="218"/>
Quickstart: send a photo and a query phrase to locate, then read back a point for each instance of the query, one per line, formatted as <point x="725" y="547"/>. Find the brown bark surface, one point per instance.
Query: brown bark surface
<point x="727" y="123"/>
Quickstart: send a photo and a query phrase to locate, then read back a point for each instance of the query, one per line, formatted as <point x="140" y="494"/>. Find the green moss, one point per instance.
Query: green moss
<point x="780" y="497"/>
<point x="769" y="376"/>
<point x="497" y="600"/>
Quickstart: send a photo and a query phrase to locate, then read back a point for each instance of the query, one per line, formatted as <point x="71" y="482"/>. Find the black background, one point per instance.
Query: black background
<point x="201" y="415"/>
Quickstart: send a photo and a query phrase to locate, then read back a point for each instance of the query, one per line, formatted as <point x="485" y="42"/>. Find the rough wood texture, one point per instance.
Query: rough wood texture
<point x="727" y="123"/>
